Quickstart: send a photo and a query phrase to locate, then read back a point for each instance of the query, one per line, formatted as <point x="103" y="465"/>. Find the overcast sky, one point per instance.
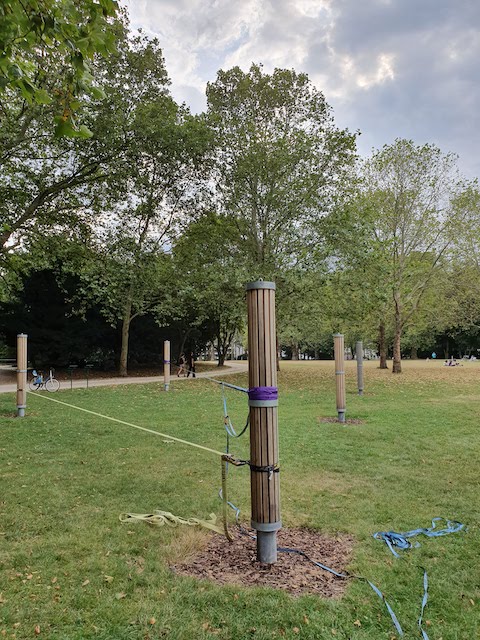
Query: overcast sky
<point x="389" y="68"/>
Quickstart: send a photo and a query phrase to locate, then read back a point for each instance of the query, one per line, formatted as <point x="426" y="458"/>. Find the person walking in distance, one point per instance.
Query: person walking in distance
<point x="191" y="365"/>
<point x="181" y="365"/>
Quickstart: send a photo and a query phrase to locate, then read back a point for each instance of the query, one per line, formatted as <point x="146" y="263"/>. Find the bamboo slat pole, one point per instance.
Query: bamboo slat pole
<point x="263" y="402"/>
<point x="339" y="350"/>
<point x="166" y="365"/>
<point x="359" y="356"/>
<point x="21" y="374"/>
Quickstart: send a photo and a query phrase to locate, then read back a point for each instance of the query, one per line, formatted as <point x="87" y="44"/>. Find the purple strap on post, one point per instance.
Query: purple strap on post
<point x="263" y="393"/>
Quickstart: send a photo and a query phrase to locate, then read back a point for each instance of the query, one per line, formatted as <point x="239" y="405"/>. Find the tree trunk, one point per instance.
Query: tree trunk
<point x="295" y="351"/>
<point x="414" y="353"/>
<point x="317" y="354"/>
<point x="397" y="356"/>
<point x="382" y="347"/>
<point x="222" y="349"/>
<point x="184" y="340"/>
<point x="447" y="349"/>
<point x="127" y="315"/>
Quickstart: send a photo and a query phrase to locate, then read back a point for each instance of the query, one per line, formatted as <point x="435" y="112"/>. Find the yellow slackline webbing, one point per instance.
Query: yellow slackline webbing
<point x="160" y="518"/>
<point x="129" y="424"/>
<point x="165" y="517"/>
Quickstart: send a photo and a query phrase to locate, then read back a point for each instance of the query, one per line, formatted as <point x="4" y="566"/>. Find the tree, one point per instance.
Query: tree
<point x="280" y="163"/>
<point x="210" y="278"/>
<point x="360" y="305"/>
<point x="46" y="181"/>
<point x="71" y="33"/>
<point x="414" y="193"/>
<point x="155" y="182"/>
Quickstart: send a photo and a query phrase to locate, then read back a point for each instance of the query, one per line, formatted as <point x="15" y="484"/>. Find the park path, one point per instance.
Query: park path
<point x="232" y="367"/>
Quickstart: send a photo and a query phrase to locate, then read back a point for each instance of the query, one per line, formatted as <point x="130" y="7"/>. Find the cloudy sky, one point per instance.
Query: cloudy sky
<point x="389" y="68"/>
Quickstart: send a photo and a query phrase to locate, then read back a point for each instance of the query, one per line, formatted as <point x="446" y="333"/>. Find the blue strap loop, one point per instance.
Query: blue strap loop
<point x="226" y="418"/>
<point x="401" y="541"/>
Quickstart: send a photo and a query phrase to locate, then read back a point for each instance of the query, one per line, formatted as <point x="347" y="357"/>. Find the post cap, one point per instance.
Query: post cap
<point x="260" y="284"/>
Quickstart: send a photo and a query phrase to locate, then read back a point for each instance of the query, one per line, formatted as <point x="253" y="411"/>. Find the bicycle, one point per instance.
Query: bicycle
<point x="38" y="382"/>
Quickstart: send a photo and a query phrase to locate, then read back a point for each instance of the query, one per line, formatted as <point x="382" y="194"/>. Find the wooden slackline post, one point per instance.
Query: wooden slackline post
<point x="263" y="403"/>
<point x="166" y="365"/>
<point x="339" y="350"/>
<point x="21" y="374"/>
<point x="359" y="356"/>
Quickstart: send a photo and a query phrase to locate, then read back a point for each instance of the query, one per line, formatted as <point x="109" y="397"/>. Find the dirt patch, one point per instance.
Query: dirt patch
<point x="236" y="563"/>
<point x="337" y="421"/>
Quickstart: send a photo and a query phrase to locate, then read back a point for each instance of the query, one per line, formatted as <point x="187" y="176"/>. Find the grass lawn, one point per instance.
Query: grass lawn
<point x="69" y="569"/>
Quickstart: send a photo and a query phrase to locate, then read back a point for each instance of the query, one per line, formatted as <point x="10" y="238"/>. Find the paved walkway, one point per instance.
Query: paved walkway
<point x="233" y="367"/>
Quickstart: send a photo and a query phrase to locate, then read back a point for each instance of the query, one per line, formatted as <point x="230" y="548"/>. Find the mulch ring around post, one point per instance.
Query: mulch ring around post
<point x="236" y="563"/>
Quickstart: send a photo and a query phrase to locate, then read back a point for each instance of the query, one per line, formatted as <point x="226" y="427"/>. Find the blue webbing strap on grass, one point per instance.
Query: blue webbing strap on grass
<point x="424" y="604"/>
<point x="349" y="576"/>
<point x="401" y="541"/>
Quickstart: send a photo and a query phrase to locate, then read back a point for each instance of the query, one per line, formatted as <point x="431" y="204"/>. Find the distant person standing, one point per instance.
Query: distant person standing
<point x="191" y="365"/>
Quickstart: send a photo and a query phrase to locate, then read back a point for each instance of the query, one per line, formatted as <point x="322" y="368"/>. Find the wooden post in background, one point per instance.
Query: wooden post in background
<point x="359" y="355"/>
<point x="339" y="350"/>
<point x="166" y="365"/>
<point x="263" y="403"/>
<point x="21" y="374"/>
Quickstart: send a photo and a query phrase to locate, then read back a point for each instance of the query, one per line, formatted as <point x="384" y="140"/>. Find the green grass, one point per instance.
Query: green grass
<point x="68" y="565"/>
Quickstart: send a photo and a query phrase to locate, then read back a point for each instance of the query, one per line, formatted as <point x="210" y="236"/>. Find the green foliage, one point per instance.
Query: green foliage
<point x="402" y="225"/>
<point x="70" y="33"/>
<point x="46" y="181"/>
<point x="211" y="277"/>
<point x="280" y="164"/>
<point x="154" y="187"/>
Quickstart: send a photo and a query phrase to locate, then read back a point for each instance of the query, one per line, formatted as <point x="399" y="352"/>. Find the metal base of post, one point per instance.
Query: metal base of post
<point x="266" y="540"/>
<point x="267" y="546"/>
<point x="360" y="392"/>
<point x="166" y="387"/>
<point x="341" y="416"/>
<point x="21" y="412"/>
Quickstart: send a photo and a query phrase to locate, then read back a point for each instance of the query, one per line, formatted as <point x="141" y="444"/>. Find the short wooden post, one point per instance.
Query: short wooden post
<point x="339" y="350"/>
<point x="263" y="403"/>
<point x="166" y="365"/>
<point x="359" y="356"/>
<point x="21" y="374"/>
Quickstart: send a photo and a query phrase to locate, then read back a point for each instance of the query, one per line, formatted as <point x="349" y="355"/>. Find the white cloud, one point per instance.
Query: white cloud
<point x="390" y="68"/>
<point x="384" y="71"/>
